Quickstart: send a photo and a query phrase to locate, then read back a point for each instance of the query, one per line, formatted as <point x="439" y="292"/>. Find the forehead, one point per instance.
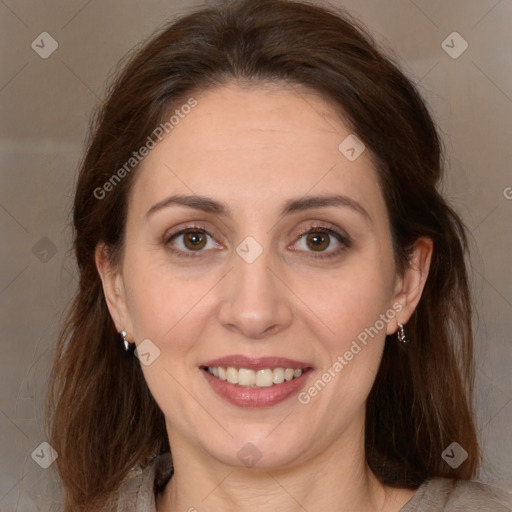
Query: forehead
<point x="254" y="146"/>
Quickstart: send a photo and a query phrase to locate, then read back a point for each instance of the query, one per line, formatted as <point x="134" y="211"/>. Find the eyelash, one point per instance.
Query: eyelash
<point x="317" y="228"/>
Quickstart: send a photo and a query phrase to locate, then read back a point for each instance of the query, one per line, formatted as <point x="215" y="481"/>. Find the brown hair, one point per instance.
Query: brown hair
<point x="103" y="417"/>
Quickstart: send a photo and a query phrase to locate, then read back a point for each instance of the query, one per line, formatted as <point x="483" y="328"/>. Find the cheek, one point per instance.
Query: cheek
<point x="349" y="299"/>
<point x="354" y="308"/>
<point x="164" y="305"/>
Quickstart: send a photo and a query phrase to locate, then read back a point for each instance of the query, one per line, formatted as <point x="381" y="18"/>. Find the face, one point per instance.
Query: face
<point x="254" y="243"/>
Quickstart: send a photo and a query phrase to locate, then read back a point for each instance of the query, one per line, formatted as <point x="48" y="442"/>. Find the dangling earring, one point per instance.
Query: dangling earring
<point x="127" y="345"/>
<point x="401" y="334"/>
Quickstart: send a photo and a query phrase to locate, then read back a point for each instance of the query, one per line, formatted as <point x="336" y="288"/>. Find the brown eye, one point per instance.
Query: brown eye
<point x="322" y="242"/>
<point x="191" y="240"/>
<point x="194" y="240"/>
<point x="318" y="241"/>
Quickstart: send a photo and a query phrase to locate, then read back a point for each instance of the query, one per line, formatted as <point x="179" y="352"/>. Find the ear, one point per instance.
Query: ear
<point x="114" y="290"/>
<point x="409" y="286"/>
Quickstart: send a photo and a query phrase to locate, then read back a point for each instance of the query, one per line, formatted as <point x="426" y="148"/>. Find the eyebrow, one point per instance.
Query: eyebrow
<point x="209" y="205"/>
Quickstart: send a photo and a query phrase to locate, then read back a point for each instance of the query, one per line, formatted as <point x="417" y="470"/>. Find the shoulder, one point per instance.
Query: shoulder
<point x="137" y="491"/>
<point x="452" y="495"/>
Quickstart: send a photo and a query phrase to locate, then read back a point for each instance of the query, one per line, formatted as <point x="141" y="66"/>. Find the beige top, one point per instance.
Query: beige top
<point x="137" y="493"/>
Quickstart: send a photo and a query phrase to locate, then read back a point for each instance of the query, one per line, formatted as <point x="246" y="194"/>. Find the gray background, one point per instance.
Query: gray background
<point x="45" y="108"/>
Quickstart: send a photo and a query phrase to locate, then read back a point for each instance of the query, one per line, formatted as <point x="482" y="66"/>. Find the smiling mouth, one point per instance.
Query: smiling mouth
<point x="249" y="378"/>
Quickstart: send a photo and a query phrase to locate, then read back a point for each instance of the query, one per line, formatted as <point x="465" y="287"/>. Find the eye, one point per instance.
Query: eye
<point x="191" y="239"/>
<point x="326" y="242"/>
<point x="322" y="240"/>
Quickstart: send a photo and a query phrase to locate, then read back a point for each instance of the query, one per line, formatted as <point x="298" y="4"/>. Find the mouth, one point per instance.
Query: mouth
<point x="262" y="382"/>
<point x="249" y="378"/>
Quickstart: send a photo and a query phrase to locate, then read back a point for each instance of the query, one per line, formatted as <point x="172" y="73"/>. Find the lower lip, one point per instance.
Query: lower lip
<point x="256" y="397"/>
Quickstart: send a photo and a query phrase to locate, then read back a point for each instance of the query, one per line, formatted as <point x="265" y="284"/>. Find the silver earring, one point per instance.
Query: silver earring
<point x="126" y="343"/>
<point x="401" y="334"/>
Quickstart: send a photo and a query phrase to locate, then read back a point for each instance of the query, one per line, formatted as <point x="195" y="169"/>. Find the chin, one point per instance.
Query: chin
<point x="256" y="449"/>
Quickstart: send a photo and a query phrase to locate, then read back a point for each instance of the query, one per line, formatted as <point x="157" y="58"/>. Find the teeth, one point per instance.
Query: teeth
<point x="263" y="378"/>
<point x="246" y="377"/>
<point x="232" y="375"/>
<point x="289" y="373"/>
<point x="278" y="376"/>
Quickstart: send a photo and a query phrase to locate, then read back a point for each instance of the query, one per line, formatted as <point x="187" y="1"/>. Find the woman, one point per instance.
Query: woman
<point x="271" y="287"/>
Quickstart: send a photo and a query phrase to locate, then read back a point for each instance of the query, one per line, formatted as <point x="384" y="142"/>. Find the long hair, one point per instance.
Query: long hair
<point x="103" y="419"/>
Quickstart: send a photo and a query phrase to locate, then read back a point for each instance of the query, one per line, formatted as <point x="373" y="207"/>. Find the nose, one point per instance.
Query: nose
<point x="255" y="301"/>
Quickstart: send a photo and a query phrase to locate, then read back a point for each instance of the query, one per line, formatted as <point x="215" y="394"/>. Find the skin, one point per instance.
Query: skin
<point x="254" y="148"/>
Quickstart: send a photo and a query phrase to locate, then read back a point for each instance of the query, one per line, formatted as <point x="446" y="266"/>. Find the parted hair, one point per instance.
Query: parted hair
<point x="101" y="417"/>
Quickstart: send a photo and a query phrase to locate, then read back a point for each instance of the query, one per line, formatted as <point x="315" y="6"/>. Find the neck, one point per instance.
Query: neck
<point x="336" y="479"/>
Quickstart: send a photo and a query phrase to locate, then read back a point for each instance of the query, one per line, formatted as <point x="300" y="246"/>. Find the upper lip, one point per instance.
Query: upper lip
<point x="259" y="363"/>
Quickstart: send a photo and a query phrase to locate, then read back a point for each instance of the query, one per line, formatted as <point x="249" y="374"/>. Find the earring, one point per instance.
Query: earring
<point x="401" y="334"/>
<point x="127" y="345"/>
